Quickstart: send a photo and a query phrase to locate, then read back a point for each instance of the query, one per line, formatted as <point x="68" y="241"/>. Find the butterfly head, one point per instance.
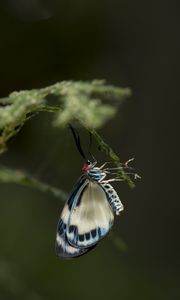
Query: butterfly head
<point x="88" y="166"/>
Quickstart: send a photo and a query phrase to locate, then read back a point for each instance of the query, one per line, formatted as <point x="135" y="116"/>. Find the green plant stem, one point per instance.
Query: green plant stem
<point x="112" y="156"/>
<point x="22" y="178"/>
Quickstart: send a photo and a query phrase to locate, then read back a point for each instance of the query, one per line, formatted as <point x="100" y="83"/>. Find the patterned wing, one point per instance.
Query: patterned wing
<point x="63" y="247"/>
<point x="91" y="217"/>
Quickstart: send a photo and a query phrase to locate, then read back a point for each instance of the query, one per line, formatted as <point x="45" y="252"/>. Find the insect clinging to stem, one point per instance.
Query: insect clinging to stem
<point x="88" y="214"/>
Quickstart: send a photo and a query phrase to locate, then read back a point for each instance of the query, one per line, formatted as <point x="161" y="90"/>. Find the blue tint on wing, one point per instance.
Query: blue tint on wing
<point x="90" y="218"/>
<point x="88" y="239"/>
<point x="75" y="190"/>
<point x="63" y="247"/>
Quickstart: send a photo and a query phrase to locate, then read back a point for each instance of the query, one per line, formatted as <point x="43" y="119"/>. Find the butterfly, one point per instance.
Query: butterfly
<point x="88" y="214"/>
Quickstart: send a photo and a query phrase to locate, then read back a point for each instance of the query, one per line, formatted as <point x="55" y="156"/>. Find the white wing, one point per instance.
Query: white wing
<point x="90" y="218"/>
<point x="63" y="248"/>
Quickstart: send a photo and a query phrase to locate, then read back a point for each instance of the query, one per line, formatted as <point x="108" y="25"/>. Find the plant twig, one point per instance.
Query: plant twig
<point x="23" y="178"/>
<point x="112" y="156"/>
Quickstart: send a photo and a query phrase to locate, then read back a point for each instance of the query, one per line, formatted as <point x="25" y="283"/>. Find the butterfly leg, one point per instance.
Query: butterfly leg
<point x="101" y="167"/>
<point x="112" y="180"/>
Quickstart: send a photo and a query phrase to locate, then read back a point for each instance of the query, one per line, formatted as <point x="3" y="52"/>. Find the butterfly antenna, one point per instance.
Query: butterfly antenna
<point x="90" y="145"/>
<point x="77" y="141"/>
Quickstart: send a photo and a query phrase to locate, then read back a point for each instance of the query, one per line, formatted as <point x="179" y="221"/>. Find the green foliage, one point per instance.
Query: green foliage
<point x="80" y="101"/>
<point x="85" y="102"/>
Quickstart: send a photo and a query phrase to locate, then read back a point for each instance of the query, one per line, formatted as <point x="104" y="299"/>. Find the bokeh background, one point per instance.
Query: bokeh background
<point x="129" y="43"/>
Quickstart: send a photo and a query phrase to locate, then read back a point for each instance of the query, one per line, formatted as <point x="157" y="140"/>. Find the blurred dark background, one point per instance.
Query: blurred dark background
<point x="129" y="43"/>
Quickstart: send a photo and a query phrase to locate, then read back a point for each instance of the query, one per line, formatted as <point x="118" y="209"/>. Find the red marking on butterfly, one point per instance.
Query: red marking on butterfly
<point x="85" y="168"/>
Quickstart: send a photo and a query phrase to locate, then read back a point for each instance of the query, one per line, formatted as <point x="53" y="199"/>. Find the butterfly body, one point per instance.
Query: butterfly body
<point x="88" y="215"/>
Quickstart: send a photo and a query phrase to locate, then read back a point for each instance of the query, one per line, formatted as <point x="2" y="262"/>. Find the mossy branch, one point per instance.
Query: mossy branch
<point x="89" y="103"/>
<point x="20" y="177"/>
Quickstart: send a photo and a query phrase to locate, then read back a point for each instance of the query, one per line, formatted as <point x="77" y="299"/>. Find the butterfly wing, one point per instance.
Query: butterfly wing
<point x="63" y="247"/>
<point x="91" y="216"/>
